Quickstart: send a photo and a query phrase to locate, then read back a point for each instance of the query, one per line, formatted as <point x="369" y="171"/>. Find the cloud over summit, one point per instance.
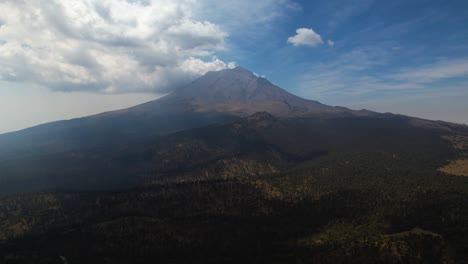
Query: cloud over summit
<point x="106" y="46"/>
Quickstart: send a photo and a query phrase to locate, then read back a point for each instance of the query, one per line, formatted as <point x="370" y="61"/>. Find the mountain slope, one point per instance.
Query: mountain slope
<point x="259" y="189"/>
<point x="254" y="145"/>
<point x="81" y="152"/>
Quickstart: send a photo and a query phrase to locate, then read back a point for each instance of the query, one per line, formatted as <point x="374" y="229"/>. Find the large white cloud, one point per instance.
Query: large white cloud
<point x="305" y="37"/>
<point x="106" y="46"/>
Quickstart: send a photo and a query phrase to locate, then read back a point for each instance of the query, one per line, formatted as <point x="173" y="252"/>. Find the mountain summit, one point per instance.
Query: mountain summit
<point x="240" y="92"/>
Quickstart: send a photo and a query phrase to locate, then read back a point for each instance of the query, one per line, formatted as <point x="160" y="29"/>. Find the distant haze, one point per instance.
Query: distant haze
<point x="40" y="106"/>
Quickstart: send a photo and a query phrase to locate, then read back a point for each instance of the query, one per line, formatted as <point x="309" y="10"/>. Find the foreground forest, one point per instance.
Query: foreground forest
<point x="260" y="190"/>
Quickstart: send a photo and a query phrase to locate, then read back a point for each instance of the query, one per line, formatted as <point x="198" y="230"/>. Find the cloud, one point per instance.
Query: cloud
<point x="259" y="75"/>
<point x="305" y="37"/>
<point x="434" y="72"/>
<point x="368" y="71"/>
<point x="107" y="46"/>
<point x="330" y="43"/>
<point x="368" y="77"/>
<point x="344" y="74"/>
<point x="198" y="67"/>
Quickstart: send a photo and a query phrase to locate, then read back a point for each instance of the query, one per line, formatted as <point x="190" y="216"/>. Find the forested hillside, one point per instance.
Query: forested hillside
<point x="260" y="190"/>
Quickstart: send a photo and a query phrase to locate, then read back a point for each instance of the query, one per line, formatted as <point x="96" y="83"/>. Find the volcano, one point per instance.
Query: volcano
<point x="80" y="152"/>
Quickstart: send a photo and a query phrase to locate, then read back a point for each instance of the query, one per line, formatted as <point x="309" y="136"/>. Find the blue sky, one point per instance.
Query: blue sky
<point x="400" y="56"/>
<point x="408" y="57"/>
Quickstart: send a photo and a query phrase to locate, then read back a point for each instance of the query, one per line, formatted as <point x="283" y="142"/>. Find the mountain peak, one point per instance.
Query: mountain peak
<point x="241" y="92"/>
<point x="240" y="69"/>
<point x="237" y="85"/>
<point x="237" y="72"/>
